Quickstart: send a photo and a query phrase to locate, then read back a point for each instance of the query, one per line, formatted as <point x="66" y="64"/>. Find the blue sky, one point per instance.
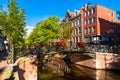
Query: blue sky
<point x="37" y="10"/>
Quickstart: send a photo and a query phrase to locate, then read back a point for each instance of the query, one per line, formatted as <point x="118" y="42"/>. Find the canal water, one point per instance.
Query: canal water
<point x="80" y="73"/>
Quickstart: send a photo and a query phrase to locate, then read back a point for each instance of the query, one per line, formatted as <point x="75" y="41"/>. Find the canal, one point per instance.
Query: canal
<point x="79" y="73"/>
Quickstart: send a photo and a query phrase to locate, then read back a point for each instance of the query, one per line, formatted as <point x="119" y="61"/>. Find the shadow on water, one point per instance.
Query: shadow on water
<point x="92" y="74"/>
<point x="77" y="73"/>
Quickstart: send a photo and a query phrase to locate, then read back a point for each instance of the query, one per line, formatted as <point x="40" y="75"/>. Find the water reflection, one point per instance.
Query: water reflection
<point x="99" y="74"/>
<point x="54" y="69"/>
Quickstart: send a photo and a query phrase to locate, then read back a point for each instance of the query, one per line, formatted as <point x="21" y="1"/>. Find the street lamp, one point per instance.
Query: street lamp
<point x="6" y="46"/>
<point x="12" y="50"/>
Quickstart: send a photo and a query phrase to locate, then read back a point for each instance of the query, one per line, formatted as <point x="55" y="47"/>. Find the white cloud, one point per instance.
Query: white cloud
<point x="29" y="30"/>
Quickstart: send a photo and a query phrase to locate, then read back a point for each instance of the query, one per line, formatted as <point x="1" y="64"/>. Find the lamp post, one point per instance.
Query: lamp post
<point x="12" y="54"/>
<point x="6" y="46"/>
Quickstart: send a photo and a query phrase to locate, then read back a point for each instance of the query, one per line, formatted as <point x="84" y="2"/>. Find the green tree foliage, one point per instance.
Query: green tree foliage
<point x="13" y="24"/>
<point x="45" y="31"/>
<point x="3" y="16"/>
<point x="66" y="31"/>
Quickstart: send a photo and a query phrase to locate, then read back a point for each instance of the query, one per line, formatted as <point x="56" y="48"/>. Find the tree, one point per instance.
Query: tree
<point x="3" y="15"/>
<point x="66" y="31"/>
<point x="46" y="31"/>
<point x="14" y="25"/>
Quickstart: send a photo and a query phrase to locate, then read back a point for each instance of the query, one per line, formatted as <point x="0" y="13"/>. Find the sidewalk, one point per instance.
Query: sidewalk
<point x="8" y="72"/>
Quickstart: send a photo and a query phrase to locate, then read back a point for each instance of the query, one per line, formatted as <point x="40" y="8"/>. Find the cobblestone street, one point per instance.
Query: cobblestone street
<point x="7" y="71"/>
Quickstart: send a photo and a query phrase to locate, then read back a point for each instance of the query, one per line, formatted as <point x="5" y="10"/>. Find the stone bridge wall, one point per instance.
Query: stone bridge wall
<point x="107" y="61"/>
<point x="27" y="68"/>
<point x="99" y="61"/>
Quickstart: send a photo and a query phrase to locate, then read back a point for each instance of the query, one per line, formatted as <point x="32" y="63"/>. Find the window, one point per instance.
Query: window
<point x="85" y="14"/>
<point x="72" y="23"/>
<point x="90" y="30"/>
<point x="90" y="21"/>
<point x="85" y="22"/>
<point x="94" y="19"/>
<point x="76" y="31"/>
<point x="76" y="39"/>
<point x="93" y="29"/>
<point x="78" y="22"/>
<point x="85" y="31"/>
<point x="93" y="11"/>
<point x="111" y="30"/>
<point x="89" y="12"/>
<point x="118" y="30"/>
<point x="111" y="13"/>
<point x="118" y="39"/>
<point x="79" y="30"/>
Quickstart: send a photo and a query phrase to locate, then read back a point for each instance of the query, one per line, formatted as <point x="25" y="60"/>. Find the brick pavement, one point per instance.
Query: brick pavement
<point x="7" y="71"/>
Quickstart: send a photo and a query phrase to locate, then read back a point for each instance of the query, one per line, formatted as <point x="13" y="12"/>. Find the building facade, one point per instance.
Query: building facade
<point x="99" y="25"/>
<point x="76" y="20"/>
<point x="94" y="24"/>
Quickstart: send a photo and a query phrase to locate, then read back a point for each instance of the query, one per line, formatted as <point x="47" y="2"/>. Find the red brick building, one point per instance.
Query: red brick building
<point x="95" y="24"/>
<point x="99" y="25"/>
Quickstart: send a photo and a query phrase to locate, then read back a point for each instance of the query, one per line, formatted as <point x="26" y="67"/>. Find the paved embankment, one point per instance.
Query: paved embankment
<point x="27" y="68"/>
<point x="8" y="72"/>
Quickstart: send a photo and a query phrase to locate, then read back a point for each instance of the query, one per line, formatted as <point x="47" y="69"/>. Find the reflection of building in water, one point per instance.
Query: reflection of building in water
<point x="100" y="74"/>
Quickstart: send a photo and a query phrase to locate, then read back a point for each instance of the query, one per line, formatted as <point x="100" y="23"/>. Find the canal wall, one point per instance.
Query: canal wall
<point x="98" y="61"/>
<point x="27" y="68"/>
<point x="107" y="61"/>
